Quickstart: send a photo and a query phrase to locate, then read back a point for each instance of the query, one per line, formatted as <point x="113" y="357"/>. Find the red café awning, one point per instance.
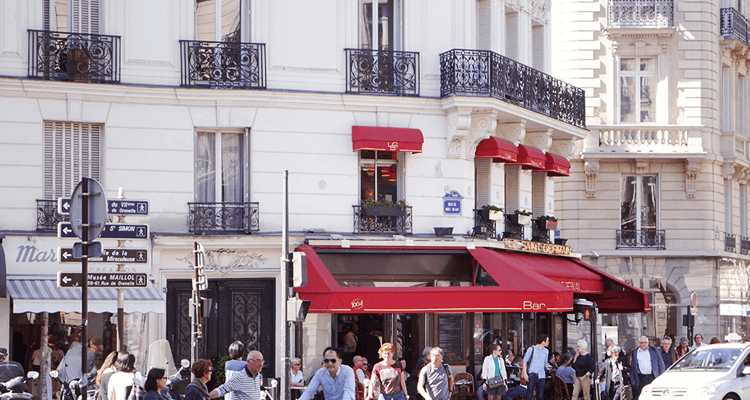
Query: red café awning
<point x="518" y="290"/>
<point x="610" y="294"/>
<point x="557" y="165"/>
<point x="531" y="158"/>
<point x="386" y="139"/>
<point x="499" y="150"/>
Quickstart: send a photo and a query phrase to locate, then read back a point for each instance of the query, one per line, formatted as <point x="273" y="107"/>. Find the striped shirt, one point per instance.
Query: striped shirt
<point x="242" y="385"/>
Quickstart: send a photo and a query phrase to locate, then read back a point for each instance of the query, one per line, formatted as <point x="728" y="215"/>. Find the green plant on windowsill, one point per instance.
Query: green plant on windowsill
<point x="382" y="203"/>
<point x="490" y="207"/>
<point x="523" y="212"/>
<point x="548" y="218"/>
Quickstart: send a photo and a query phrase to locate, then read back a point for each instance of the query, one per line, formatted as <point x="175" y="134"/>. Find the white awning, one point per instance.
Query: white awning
<point x="43" y="295"/>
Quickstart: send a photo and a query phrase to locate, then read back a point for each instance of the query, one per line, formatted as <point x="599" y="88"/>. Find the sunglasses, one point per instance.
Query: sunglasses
<point x="329" y="360"/>
<point x="256" y="361"/>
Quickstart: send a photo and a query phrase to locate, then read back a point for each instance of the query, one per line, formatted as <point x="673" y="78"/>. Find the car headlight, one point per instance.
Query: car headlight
<point x="708" y="390"/>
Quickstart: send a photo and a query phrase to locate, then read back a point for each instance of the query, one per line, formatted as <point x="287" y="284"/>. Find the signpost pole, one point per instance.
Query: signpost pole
<point x="85" y="283"/>
<point x="121" y="292"/>
<point x="285" y="261"/>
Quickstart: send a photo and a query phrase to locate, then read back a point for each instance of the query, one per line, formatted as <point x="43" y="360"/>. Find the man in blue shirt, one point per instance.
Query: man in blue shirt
<point x="336" y="380"/>
<point x="534" y="367"/>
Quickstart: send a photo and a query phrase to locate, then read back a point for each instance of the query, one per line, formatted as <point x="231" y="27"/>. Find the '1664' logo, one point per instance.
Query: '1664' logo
<point x="358" y="304"/>
<point x="393" y="146"/>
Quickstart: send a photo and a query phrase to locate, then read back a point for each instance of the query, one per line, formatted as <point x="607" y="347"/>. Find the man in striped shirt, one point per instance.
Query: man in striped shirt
<point x="245" y="384"/>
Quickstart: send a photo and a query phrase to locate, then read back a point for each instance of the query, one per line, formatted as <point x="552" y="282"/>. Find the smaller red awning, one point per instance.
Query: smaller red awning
<point x="531" y="158"/>
<point x="499" y="150"/>
<point x="557" y="165"/>
<point x="386" y="139"/>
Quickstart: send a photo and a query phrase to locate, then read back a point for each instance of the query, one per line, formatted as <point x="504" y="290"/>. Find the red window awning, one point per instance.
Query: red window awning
<point x="557" y="165"/>
<point x="531" y="158"/>
<point x="386" y="139"/>
<point x="518" y="290"/>
<point x="499" y="150"/>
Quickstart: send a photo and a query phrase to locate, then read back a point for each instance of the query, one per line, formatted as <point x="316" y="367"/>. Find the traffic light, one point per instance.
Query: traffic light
<point x="297" y="269"/>
<point x="586" y="309"/>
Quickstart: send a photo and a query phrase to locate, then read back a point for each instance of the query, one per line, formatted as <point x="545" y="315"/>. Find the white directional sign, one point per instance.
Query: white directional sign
<point x="111" y="231"/>
<point x="111" y="280"/>
<point x="114" y="207"/>
<point x="114" y="256"/>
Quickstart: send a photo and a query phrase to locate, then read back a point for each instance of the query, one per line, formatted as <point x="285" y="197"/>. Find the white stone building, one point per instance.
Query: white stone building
<point x="658" y="195"/>
<point x="199" y="106"/>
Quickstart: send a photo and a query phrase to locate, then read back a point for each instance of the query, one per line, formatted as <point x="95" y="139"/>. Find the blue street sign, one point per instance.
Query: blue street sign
<point x="452" y="203"/>
<point x="114" y="207"/>
<point x="111" y="231"/>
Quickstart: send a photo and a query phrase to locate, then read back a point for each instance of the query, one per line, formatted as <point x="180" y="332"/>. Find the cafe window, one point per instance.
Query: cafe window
<point x="637" y="90"/>
<point x="380" y="175"/>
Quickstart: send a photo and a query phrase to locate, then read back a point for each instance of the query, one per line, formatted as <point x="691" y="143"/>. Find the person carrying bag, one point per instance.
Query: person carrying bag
<point x="493" y="371"/>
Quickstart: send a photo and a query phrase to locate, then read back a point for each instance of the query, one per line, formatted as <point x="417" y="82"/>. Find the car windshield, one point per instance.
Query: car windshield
<point x="709" y="358"/>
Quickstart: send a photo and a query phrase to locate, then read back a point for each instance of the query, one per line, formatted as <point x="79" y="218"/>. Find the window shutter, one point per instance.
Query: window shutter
<point x="538" y="195"/>
<point x="482" y="170"/>
<point x="85" y="16"/>
<point x="512" y="175"/>
<point x="537" y="38"/>
<point x="71" y="151"/>
<point x="511" y="35"/>
<point x="484" y="24"/>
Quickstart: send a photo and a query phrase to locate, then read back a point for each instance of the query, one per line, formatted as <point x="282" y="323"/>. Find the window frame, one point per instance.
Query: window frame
<point x="637" y="75"/>
<point x="218" y="183"/>
<point x="639" y="194"/>
<point x="377" y="163"/>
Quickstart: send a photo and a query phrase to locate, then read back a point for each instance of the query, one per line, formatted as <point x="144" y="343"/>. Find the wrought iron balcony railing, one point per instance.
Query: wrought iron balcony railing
<point x="206" y="218"/>
<point x="382" y="219"/>
<point x="730" y="243"/>
<point x="640" y="13"/>
<point x="652" y="239"/>
<point x="486" y="73"/>
<point x="483" y="225"/>
<point x="538" y="233"/>
<point x="223" y="65"/>
<point x="382" y="72"/>
<point x="734" y="25"/>
<point x="79" y="57"/>
<point x="513" y="230"/>
<point x="744" y="245"/>
<point x="47" y="216"/>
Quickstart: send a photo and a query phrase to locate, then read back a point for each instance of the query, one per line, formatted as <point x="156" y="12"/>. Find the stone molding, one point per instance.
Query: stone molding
<point x="591" y="168"/>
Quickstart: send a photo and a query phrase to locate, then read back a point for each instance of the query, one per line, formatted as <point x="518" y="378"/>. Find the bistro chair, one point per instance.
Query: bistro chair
<point x="463" y="386"/>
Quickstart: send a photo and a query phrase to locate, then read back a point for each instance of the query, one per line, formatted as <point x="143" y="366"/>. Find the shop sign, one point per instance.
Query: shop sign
<point x="452" y="203"/>
<point x="537" y="247"/>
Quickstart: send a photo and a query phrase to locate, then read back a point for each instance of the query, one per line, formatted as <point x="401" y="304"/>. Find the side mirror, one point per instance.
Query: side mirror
<point x="34" y="374"/>
<point x="746" y="370"/>
<point x="53" y="374"/>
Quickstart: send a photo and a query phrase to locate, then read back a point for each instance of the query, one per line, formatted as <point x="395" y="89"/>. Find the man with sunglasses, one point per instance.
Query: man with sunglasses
<point x="246" y="384"/>
<point x="336" y="380"/>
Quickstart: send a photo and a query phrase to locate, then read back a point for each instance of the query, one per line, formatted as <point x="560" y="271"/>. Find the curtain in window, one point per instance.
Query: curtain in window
<point x="231" y="167"/>
<point x="629" y="206"/>
<point x="648" y="202"/>
<point x="205" y="167"/>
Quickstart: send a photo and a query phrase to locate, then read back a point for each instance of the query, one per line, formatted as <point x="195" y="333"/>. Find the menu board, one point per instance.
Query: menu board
<point x="450" y="337"/>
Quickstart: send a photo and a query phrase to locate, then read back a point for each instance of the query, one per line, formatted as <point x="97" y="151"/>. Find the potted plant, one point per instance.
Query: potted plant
<point x="547" y="222"/>
<point x="489" y="212"/>
<point x="373" y="208"/>
<point x="521" y="217"/>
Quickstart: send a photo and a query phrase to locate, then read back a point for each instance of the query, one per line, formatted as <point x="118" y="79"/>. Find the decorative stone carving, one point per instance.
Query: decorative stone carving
<point x="542" y="140"/>
<point x="563" y="147"/>
<point x="727" y="170"/>
<point x="741" y="174"/>
<point x="483" y="125"/>
<point x="459" y="122"/>
<point x="591" y="168"/>
<point x="226" y="261"/>
<point x="664" y="43"/>
<point x="513" y="131"/>
<point x="641" y="165"/>
<point x="692" y="167"/>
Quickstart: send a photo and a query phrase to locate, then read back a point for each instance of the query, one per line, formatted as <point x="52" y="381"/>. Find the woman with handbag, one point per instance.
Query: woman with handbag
<point x="156" y="382"/>
<point x="197" y="389"/>
<point x="123" y="383"/>
<point x="494" y="374"/>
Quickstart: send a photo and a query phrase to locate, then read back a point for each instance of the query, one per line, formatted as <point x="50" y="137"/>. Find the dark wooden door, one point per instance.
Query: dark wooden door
<point x="241" y="309"/>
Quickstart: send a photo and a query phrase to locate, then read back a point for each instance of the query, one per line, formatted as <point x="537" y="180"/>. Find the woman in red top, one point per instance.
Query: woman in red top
<point x="389" y="375"/>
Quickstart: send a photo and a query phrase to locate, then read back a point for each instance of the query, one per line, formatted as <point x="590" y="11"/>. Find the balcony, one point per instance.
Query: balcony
<point x="47" y="216"/>
<point x="730" y="243"/>
<point x="483" y="224"/>
<point x="382" y="72"/>
<point x="734" y="25"/>
<point x="540" y="231"/>
<point x="640" y="13"/>
<point x="223" y="65"/>
<point x="645" y="139"/>
<point x="513" y="230"/>
<point x="646" y="239"/>
<point x="78" y="57"/>
<point x="381" y="219"/>
<point x="486" y="73"/>
<point x="744" y="245"/>
<point x="219" y="218"/>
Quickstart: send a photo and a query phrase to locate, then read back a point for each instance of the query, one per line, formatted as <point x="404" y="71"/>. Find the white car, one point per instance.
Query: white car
<point x="717" y="371"/>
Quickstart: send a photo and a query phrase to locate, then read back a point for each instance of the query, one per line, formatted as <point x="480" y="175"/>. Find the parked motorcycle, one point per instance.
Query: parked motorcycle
<point x="13" y="385"/>
<point x="160" y="356"/>
<point x="73" y="390"/>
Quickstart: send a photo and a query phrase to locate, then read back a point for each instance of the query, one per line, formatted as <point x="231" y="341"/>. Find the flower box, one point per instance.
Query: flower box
<point x="383" y="211"/>
<point x="443" y="231"/>
<point x="519" y="219"/>
<point x="496" y="215"/>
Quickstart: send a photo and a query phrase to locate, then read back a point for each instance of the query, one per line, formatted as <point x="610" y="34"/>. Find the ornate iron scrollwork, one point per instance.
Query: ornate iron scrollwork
<point x="641" y="239"/>
<point x="223" y="65"/>
<point x="47" y="216"/>
<point x="397" y="223"/>
<point x="61" y="56"/>
<point x="382" y="72"/>
<point x="652" y="13"/>
<point x="223" y="218"/>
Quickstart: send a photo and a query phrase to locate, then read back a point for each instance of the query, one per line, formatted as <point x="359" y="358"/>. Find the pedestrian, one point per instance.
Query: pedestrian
<point x="297" y="378"/>
<point x="402" y="363"/>
<point x="236" y="364"/>
<point x="156" y="382"/>
<point x="360" y="369"/>
<point x="714" y="340"/>
<point x="585" y="367"/>
<point x="126" y="375"/>
<point x="104" y="373"/>
<point x="350" y="344"/>
<point x="197" y="389"/>
<point x="667" y="352"/>
<point x="566" y="372"/>
<point x="435" y="379"/>
<point x="611" y="374"/>
<point x="336" y="379"/>
<point x="389" y="376"/>
<point x="245" y="385"/>
<point x="493" y="366"/>
<point x="683" y="348"/>
<point x="534" y="371"/>
<point x="698" y="341"/>
<point x="646" y="366"/>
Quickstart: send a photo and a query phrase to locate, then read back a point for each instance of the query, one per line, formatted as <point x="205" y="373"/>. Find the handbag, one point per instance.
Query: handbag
<point x="495" y="382"/>
<point x="134" y="392"/>
<point x="525" y="382"/>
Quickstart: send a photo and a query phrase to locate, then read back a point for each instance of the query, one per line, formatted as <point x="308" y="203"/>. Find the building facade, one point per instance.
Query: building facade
<point x="658" y="189"/>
